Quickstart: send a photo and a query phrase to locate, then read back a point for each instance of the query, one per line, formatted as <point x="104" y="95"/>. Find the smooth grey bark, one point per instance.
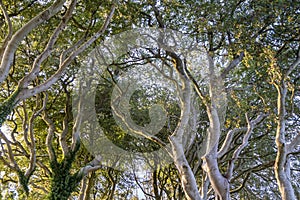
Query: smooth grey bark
<point x="219" y="183"/>
<point x="214" y="108"/>
<point x="188" y="180"/>
<point x="282" y="162"/>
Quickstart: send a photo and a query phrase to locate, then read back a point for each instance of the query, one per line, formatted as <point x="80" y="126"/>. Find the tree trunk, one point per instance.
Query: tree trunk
<point x="187" y="177"/>
<point x="282" y="163"/>
<point x="63" y="183"/>
<point x="219" y="183"/>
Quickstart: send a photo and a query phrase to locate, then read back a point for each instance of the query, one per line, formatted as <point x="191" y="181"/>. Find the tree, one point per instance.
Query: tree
<point x="235" y="38"/>
<point x="46" y="43"/>
<point x="253" y="53"/>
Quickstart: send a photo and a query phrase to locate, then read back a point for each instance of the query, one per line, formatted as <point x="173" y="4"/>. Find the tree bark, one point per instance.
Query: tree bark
<point x="187" y="176"/>
<point x="281" y="163"/>
<point x="219" y="183"/>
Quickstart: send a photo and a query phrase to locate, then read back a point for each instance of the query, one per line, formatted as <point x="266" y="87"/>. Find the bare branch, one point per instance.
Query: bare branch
<point x="44" y="167"/>
<point x="158" y="17"/>
<point x="141" y="187"/>
<point x="39" y="187"/>
<point x="25" y="124"/>
<point x="83" y="188"/>
<point x="76" y="126"/>
<point x="242" y="185"/>
<point x="205" y="184"/>
<point x="254" y="169"/>
<point x="197" y="88"/>
<point x="72" y="48"/>
<point x="6" y="162"/>
<point x="134" y="128"/>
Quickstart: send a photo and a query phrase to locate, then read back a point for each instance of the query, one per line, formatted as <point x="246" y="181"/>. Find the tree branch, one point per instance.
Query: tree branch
<point x="232" y="65"/>
<point x="294" y="65"/>
<point x="291" y="147"/>
<point x="77" y="124"/>
<point x="32" y="146"/>
<point x="10" y="152"/>
<point x="90" y="167"/>
<point x="65" y="63"/>
<point x="10" y="29"/>
<point x="254" y="169"/>
<point x="12" y="45"/>
<point x="158" y="17"/>
<point x="228" y="140"/>
<point x="50" y="135"/>
<point x="251" y="126"/>
<point x="68" y="113"/>
<point x="48" y="49"/>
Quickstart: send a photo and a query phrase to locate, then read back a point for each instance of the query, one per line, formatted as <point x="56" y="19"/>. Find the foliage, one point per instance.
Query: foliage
<point x="262" y="35"/>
